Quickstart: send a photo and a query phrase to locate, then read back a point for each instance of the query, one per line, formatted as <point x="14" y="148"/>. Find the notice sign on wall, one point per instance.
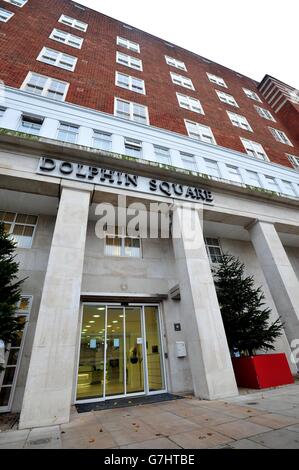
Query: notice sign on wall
<point x="117" y="179"/>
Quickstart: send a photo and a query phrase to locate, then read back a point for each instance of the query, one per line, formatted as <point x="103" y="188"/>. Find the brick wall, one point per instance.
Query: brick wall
<point x="92" y="84"/>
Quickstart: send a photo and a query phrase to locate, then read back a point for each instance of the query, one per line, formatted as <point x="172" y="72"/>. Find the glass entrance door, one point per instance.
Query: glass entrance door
<point x="120" y="352"/>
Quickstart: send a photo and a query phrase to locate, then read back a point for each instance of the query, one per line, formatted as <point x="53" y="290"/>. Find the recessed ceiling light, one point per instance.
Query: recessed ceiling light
<point x="91" y="321"/>
<point x="115" y="321"/>
<point x="121" y="316"/>
<point x="97" y="316"/>
<point x="88" y="326"/>
<point x="109" y="326"/>
<point x="101" y="308"/>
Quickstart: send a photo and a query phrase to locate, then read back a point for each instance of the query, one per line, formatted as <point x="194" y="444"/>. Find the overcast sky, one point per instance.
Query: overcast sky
<point x="255" y="37"/>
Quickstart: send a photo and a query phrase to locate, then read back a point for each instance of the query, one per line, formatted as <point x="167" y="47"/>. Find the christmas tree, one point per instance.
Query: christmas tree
<point x="245" y="318"/>
<point x="10" y="288"/>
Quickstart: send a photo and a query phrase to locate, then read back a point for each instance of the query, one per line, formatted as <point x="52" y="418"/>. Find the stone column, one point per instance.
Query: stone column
<point x="207" y="348"/>
<point x="49" y="385"/>
<point x="279" y="273"/>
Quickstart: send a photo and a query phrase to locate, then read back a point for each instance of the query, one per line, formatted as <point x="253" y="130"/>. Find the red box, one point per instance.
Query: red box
<point x="262" y="371"/>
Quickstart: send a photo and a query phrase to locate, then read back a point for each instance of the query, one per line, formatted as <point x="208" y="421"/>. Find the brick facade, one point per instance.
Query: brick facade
<point x="92" y="84"/>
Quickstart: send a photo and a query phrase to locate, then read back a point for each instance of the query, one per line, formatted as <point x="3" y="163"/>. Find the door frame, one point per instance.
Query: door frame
<point x="146" y="391"/>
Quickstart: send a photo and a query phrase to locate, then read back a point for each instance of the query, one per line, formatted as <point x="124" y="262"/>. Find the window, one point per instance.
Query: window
<point x="59" y="59"/>
<point x="68" y="132"/>
<point x="45" y="86"/>
<point x="212" y="168"/>
<point x="73" y="23"/>
<point x="239" y="121"/>
<point x="294" y="160"/>
<point x="21" y="227"/>
<point x="102" y="140"/>
<point x="213" y="249"/>
<point x="67" y="38"/>
<point x="128" y="61"/>
<point x="162" y="155"/>
<point x="2" y="111"/>
<point x="133" y="147"/>
<point x="200" y="132"/>
<point x="189" y="161"/>
<point x="225" y="98"/>
<point x="254" y="149"/>
<point x="234" y="173"/>
<point x="280" y="136"/>
<point x="30" y="124"/>
<point x="189" y="103"/>
<point x="217" y="80"/>
<point x="122" y="245"/>
<point x="8" y="377"/>
<point x="133" y="111"/>
<point x="175" y="63"/>
<point x="288" y="188"/>
<point x="130" y="83"/>
<point x="132" y="46"/>
<point x="271" y="182"/>
<point x="182" y="81"/>
<point x="252" y="95"/>
<point x="17" y="3"/>
<point x="253" y="178"/>
<point x="264" y="113"/>
<point x="5" y="15"/>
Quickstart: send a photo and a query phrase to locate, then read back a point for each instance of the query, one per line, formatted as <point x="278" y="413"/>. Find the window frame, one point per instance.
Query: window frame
<point x="46" y="86"/>
<point x="122" y="236"/>
<point x="131" y="109"/>
<point x="11" y="14"/>
<point x="135" y="144"/>
<point x="14" y="222"/>
<point x="73" y="25"/>
<point x="218" y="80"/>
<point x="168" y="156"/>
<point x="173" y="75"/>
<point x="276" y="133"/>
<point x="16" y="4"/>
<point x="240" y="119"/>
<point x="294" y="160"/>
<point x="189" y="99"/>
<point x="58" y="59"/>
<point x="56" y="30"/>
<point x="259" y="108"/>
<point x="253" y="144"/>
<point x="97" y="131"/>
<point x="29" y="116"/>
<point x="209" y="245"/>
<point x="118" y="53"/>
<point x="184" y="157"/>
<point x="127" y="44"/>
<point x="198" y="125"/>
<point x="64" y="123"/>
<point x="175" y="63"/>
<point x="250" y="93"/>
<point x="130" y="81"/>
<point x="222" y="94"/>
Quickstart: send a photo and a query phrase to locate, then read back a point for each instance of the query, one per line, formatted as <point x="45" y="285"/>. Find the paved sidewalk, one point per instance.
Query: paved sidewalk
<point x="261" y="420"/>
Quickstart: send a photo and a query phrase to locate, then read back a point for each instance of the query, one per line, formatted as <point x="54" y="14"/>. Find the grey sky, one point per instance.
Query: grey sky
<point x="254" y="37"/>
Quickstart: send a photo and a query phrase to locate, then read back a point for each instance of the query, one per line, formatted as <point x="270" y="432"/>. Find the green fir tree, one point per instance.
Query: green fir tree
<point x="245" y="317"/>
<point x="10" y="288"/>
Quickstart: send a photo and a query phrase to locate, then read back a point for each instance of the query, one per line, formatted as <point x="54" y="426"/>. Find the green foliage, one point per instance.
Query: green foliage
<point x="245" y="318"/>
<point x="10" y="287"/>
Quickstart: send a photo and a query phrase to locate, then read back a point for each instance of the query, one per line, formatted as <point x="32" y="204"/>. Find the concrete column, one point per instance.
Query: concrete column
<point x="279" y="273"/>
<point x="85" y="136"/>
<point x="11" y="119"/>
<point x="118" y="145"/>
<point x="207" y="348"/>
<point x="48" y="391"/>
<point x="49" y="128"/>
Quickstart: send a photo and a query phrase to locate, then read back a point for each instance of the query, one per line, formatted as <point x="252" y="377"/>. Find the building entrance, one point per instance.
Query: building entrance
<point x="120" y="352"/>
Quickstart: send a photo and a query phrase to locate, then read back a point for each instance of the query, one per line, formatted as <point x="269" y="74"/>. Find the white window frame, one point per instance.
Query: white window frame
<point x="215" y="166"/>
<point x="127" y="44"/>
<point x="239" y="121"/>
<point x="257" y="179"/>
<point x="159" y="156"/>
<point x="47" y="86"/>
<point x="99" y="133"/>
<point x="15" y="2"/>
<point x="59" y="58"/>
<point x="294" y="160"/>
<point x="179" y="64"/>
<point x="33" y="118"/>
<point x="75" y="126"/>
<point x="216" y="80"/>
<point x="15" y="222"/>
<point x="134" y="144"/>
<point x="187" y="158"/>
<point x="213" y="245"/>
<point x="227" y="98"/>
<point x="254" y="146"/>
<point x="6" y="12"/>
<point x="288" y="184"/>
<point x="73" y="23"/>
<point x="196" y="109"/>
<point x="234" y="171"/>
<point x="18" y="313"/>
<point x="252" y="95"/>
<point x="280" y="136"/>
<point x="68" y="37"/>
<point x="272" y="179"/>
<point x="131" y="59"/>
<point x="202" y="128"/>
<point x="122" y="236"/>
<point x="131" y="110"/>
<point x="130" y="83"/>
<point x="264" y="113"/>
<point x="182" y="81"/>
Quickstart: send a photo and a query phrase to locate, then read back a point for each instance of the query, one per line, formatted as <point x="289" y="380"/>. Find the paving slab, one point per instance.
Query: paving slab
<point x="13" y="437"/>
<point x="273" y="420"/>
<point x="278" y="439"/>
<point x="241" y="429"/>
<point x="246" y="444"/>
<point x="160" y="443"/>
<point x="203" y="438"/>
<point x="44" y="438"/>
